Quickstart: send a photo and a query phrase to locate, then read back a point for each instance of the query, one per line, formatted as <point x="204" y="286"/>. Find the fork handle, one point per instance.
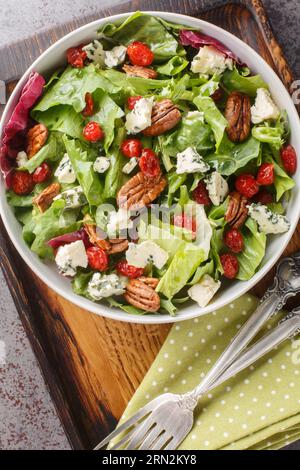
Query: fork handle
<point x="269" y="305"/>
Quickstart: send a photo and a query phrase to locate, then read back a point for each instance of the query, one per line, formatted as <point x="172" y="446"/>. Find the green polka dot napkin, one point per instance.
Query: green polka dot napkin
<point x="258" y="409"/>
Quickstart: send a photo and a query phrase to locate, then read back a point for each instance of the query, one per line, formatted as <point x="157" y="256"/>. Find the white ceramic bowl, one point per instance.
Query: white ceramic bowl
<point x="55" y="56"/>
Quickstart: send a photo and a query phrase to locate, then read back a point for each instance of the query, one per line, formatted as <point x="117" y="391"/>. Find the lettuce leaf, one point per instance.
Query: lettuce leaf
<point x="233" y="80"/>
<point x="254" y="250"/>
<point x="236" y="157"/>
<point x="72" y="87"/>
<point x="282" y="182"/>
<point x="53" y="150"/>
<point x="212" y="116"/>
<point x="147" y="29"/>
<point x="82" y="159"/>
<point x="174" y="66"/>
<point x="192" y="131"/>
<point x="268" y="134"/>
<point x="62" y="118"/>
<point x="184" y="263"/>
<point x="133" y="85"/>
<point x="44" y="226"/>
<point x="207" y="268"/>
<point x="114" y="175"/>
<point x="108" y="112"/>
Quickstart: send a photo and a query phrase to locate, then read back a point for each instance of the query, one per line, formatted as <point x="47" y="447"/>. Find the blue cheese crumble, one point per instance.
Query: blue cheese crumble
<point x="217" y="188"/>
<point x="105" y="285"/>
<point x="189" y="161"/>
<point x="101" y="164"/>
<point x="74" y="197"/>
<point x="64" y="172"/>
<point x="147" y="252"/>
<point x="268" y="221"/>
<point x="140" y="117"/>
<point x="210" y="61"/>
<point x="71" y="256"/>
<point x="204" y="290"/>
<point x="264" y="107"/>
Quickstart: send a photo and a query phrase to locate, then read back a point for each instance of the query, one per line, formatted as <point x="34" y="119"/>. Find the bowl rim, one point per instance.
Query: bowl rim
<point x="116" y="313"/>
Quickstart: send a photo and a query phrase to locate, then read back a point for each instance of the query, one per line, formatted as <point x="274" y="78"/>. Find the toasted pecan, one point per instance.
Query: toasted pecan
<point x="117" y="245"/>
<point x="150" y="281"/>
<point x="141" y="295"/>
<point x="137" y="71"/>
<point x="165" y="116"/>
<point x="36" y="138"/>
<point x="91" y="230"/>
<point x="238" y="115"/>
<point x="237" y="211"/>
<point x="140" y="191"/>
<point x="44" y="200"/>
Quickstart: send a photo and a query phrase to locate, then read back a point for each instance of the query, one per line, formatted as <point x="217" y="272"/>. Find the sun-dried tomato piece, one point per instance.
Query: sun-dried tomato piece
<point x="263" y="197"/>
<point x="140" y="54"/>
<point x="230" y="265"/>
<point x="42" y="173"/>
<point x="200" y="194"/>
<point x="265" y="174"/>
<point x="76" y="56"/>
<point x="93" y="132"/>
<point x="127" y="270"/>
<point x="289" y="159"/>
<point x="233" y="239"/>
<point x="149" y="163"/>
<point x="97" y="258"/>
<point x="89" y="105"/>
<point x="131" y="148"/>
<point x="22" y="182"/>
<point x="246" y="185"/>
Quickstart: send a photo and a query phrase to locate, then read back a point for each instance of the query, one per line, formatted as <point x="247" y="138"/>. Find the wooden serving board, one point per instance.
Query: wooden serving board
<point x="93" y="365"/>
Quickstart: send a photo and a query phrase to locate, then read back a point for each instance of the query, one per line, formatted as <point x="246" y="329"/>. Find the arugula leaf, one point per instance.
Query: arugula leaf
<point x="147" y="29"/>
<point x="233" y="80"/>
<point x="237" y="157"/>
<point x="82" y="159"/>
<point x="212" y="116"/>
<point x="253" y="252"/>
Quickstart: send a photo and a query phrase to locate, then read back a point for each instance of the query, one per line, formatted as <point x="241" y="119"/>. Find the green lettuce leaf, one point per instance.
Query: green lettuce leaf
<point x="233" y="80"/>
<point x="82" y="159"/>
<point x="174" y="66"/>
<point x="237" y="157"/>
<point x="114" y="175"/>
<point x="207" y="268"/>
<point x="72" y="87"/>
<point x="108" y="112"/>
<point x="192" y="131"/>
<point x="147" y="29"/>
<point x="282" y="182"/>
<point x="253" y="252"/>
<point x="183" y="265"/>
<point x="62" y="118"/>
<point x="52" y="151"/>
<point x="212" y="116"/>
<point x="44" y="226"/>
<point x="19" y="201"/>
<point x="268" y="134"/>
<point x="133" y="85"/>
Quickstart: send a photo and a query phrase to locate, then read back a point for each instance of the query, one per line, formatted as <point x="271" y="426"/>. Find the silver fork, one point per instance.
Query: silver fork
<point x="165" y="421"/>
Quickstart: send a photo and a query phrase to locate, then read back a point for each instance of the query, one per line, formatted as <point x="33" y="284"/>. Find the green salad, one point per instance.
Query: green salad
<point x="150" y="168"/>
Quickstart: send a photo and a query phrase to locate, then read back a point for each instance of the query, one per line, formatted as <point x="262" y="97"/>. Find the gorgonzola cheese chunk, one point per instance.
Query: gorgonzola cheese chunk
<point x="71" y="256"/>
<point x="118" y="221"/>
<point x="210" y="61"/>
<point x="115" y="57"/>
<point x="189" y="161"/>
<point x="264" y="107"/>
<point x="21" y="159"/>
<point x="268" y="221"/>
<point x="74" y="197"/>
<point x="101" y="164"/>
<point x="147" y="252"/>
<point x="130" y="166"/>
<point x="217" y="188"/>
<point x="203" y="291"/>
<point x="105" y="285"/>
<point x="140" y="117"/>
<point x="64" y="172"/>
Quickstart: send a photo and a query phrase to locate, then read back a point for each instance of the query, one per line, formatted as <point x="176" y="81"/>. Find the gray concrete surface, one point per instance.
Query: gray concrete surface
<point x="27" y="416"/>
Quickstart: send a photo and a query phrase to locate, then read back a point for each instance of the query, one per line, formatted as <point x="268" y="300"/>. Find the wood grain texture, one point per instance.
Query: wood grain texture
<point x="93" y="365"/>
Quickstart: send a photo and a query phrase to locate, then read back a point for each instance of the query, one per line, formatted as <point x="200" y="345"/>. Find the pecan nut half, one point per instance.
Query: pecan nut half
<point x="140" y="191"/>
<point x="91" y="230"/>
<point x="36" y="138"/>
<point x="238" y="115"/>
<point x="44" y="200"/>
<point x="141" y="295"/>
<point x="165" y="116"/>
<point x="150" y="281"/>
<point x="117" y="245"/>
<point x="237" y="211"/>
<point x="137" y="71"/>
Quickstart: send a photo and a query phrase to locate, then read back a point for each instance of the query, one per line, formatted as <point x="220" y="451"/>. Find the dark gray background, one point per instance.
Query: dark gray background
<point x="27" y="416"/>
